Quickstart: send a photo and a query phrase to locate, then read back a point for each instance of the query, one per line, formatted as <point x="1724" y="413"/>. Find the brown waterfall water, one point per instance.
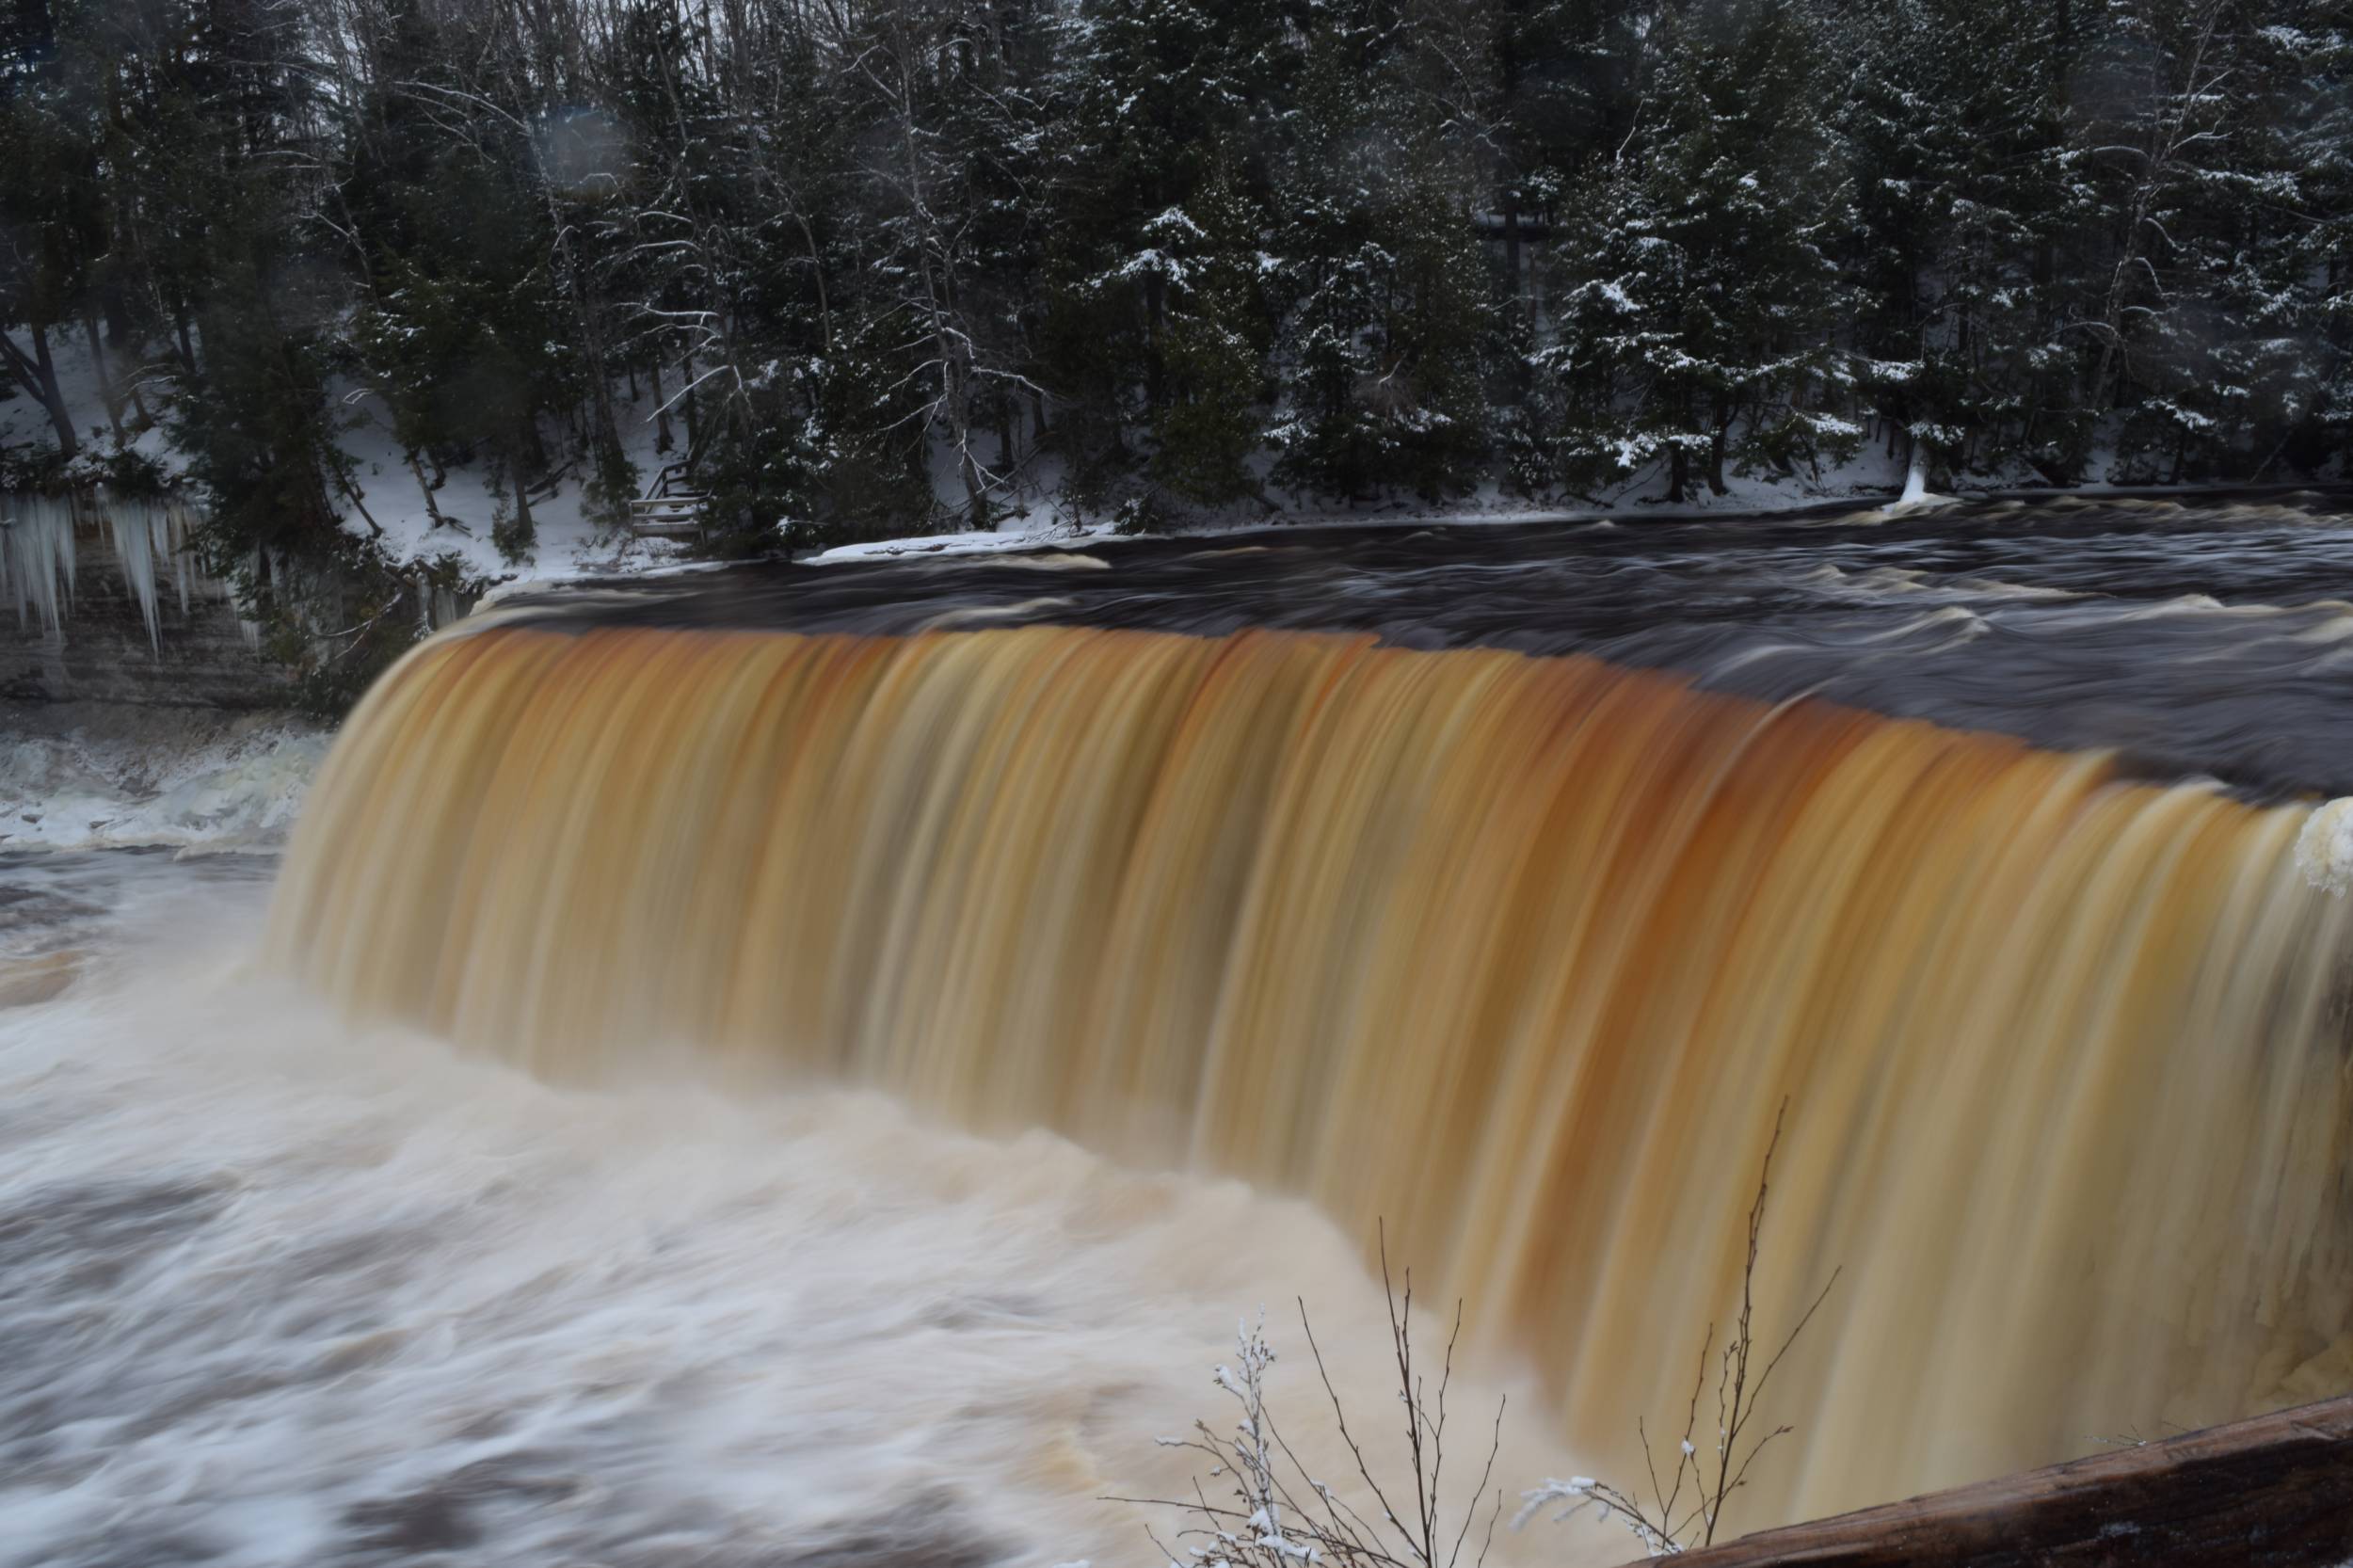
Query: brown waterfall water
<point x="1517" y="955"/>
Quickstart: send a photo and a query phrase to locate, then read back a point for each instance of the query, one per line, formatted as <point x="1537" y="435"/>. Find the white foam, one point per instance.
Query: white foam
<point x="301" y="1282"/>
<point x="232" y="785"/>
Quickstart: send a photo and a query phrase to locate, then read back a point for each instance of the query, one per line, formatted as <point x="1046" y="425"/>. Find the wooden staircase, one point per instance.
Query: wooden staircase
<point x="663" y="513"/>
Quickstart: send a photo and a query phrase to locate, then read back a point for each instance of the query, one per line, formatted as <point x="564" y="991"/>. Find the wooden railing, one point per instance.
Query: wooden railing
<point x="667" y="517"/>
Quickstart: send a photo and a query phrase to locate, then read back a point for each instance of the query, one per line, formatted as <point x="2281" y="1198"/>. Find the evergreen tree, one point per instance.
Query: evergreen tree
<point x="871" y="267"/>
<point x="52" y="231"/>
<point x="1390" y="319"/>
<point x="1211" y="344"/>
<point x="1963" y="196"/>
<point x="1701" y="289"/>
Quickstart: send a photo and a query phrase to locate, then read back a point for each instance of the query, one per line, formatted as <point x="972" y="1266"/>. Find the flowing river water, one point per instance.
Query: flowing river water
<point x="809" y="1063"/>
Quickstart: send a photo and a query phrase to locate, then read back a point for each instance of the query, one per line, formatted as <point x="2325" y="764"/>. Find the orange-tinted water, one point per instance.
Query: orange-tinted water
<point x="1520" y="955"/>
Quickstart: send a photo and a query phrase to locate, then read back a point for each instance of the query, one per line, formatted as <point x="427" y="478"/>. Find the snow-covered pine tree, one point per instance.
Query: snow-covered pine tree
<point x="1698" y="294"/>
<point x="2225" y="355"/>
<point x="1963" y="196"/>
<point x="1387" y="301"/>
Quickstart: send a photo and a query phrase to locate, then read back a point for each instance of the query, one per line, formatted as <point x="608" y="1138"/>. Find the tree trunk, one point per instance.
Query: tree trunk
<point x="105" y="382"/>
<point x="1512" y="244"/>
<point x="68" y="439"/>
<point x="604" y="430"/>
<point x="817" y="272"/>
<point x="39" y="377"/>
<point x="1722" y="432"/>
<point x="975" y="493"/>
<point x="1155" y="326"/>
<point x="959" y="392"/>
<point x="526" y="529"/>
<point x="2262" y="1494"/>
<point x="1678" y="472"/>
<point x="431" y="509"/>
<point x="661" y="409"/>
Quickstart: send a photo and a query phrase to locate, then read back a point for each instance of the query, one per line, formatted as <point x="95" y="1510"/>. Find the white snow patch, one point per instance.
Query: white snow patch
<point x="1916" y="478"/>
<point x="981" y="542"/>
<point x="570" y="543"/>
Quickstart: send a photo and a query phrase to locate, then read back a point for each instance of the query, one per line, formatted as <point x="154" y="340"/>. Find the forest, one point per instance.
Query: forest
<point x="877" y="266"/>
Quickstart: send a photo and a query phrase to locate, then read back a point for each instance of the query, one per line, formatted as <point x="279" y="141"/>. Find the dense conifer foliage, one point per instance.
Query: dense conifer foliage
<point x="891" y="262"/>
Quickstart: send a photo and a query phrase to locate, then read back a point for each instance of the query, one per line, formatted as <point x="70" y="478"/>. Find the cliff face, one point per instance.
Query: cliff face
<point x="110" y="606"/>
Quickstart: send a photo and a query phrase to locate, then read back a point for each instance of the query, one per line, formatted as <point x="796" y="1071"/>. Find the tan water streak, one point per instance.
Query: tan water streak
<point x="1520" y="954"/>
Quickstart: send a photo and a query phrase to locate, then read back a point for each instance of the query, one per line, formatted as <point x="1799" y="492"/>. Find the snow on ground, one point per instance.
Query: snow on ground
<point x="108" y="777"/>
<point x="25" y="422"/>
<point x="988" y="542"/>
<point x="2324" y="850"/>
<point x="570" y="542"/>
<point x="1872" y="476"/>
<point x="1036" y="515"/>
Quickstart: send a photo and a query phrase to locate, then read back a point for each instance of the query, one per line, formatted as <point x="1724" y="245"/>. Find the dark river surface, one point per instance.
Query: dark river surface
<point x="2197" y="638"/>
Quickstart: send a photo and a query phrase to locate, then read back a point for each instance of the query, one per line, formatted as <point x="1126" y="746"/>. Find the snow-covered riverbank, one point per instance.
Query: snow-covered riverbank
<point x="89" y="776"/>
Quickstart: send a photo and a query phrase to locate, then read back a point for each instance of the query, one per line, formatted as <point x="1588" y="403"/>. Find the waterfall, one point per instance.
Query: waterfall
<point x="1517" y="956"/>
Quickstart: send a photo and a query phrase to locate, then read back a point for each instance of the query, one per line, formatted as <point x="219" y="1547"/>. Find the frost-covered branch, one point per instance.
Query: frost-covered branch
<point x="1271" y="1510"/>
<point x="1688" y="1511"/>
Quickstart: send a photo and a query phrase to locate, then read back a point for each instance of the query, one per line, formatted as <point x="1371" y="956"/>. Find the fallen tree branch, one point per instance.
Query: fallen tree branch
<point x="2274" y="1490"/>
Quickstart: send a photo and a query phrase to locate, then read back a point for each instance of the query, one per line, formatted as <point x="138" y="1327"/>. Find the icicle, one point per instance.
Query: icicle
<point x="36" y="560"/>
<point x="135" y="525"/>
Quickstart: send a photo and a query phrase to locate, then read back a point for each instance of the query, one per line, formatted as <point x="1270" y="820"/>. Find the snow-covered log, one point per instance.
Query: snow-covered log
<point x="2274" y="1490"/>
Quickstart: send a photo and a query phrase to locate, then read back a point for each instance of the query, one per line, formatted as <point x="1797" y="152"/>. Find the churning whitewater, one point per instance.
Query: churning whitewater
<point x="275" y="1291"/>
